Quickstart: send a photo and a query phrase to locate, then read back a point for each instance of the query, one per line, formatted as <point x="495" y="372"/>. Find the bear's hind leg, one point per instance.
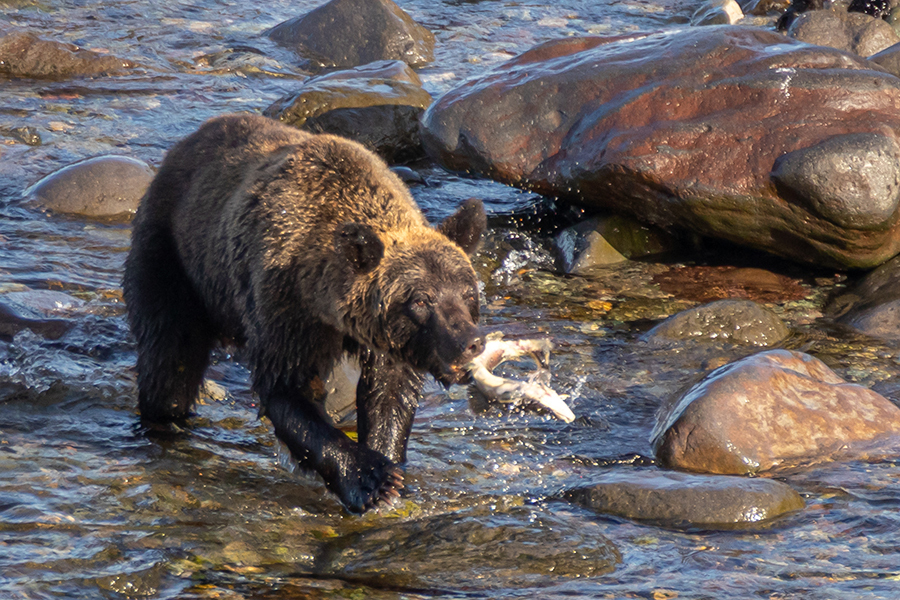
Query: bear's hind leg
<point x="359" y="476"/>
<point x="173" y="334"/>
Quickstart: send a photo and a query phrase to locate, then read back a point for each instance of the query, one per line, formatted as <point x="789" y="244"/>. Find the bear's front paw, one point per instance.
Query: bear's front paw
<point x="371" y="481"/>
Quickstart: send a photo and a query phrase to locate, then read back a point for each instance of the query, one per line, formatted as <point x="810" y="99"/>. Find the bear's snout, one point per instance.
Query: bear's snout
<point x="475" y="347"/>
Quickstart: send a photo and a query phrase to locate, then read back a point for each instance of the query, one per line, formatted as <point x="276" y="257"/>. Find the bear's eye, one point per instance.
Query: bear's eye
<point x="420" y="308"/>
<point x="471" y="299"/>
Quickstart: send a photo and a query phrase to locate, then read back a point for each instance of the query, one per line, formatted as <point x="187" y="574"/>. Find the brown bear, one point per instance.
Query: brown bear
<point x="300" y="248"/>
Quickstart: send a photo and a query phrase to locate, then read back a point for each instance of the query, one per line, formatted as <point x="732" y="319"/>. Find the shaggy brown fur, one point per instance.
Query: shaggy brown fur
<point x="300" y="247"/>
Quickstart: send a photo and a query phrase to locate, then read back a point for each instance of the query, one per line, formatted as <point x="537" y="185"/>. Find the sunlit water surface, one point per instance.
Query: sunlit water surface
<point x="90" y="507"/>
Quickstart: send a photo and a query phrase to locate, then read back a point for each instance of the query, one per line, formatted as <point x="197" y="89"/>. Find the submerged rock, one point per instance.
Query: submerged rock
<point x="471" y="550"/>
<point x="774" y="409"/>
<point x="688" y="500"/>
<point x="104" y="186"/>
<point x="25" y="134"/>
<point x="347" y="33"/>
<point x="24" y="54"/>
<point x="378" y="105"/>
<point x="726" y="321"/>
<point x="36" y="310"/>
<point x="684" y="129"/>
<point x="705" y="284"/>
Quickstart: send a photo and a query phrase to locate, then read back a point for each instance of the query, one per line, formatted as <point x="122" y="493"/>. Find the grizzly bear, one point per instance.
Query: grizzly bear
<point x="300" y="248"/>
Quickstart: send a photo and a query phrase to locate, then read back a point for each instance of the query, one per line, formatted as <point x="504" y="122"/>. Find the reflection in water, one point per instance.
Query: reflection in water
<point x="91" y="506"/>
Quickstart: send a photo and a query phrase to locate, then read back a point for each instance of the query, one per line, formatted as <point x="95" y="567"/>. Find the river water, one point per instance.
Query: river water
<point x="92" y="508"/>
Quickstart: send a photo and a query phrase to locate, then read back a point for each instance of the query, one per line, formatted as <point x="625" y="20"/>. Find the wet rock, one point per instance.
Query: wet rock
<point x="774" y="409"/>
<point x="764" y="7"/>
<point x="409" y="176"/>
<point x="378" y="105"/>
<point x="347" y="33"/>
<point x="688" y="500"/>
<point x="705" y="284"/>
<point x="683" y="130"/>
<point x="244" y="60"/>
<point x="477" y="549"/>
<point x="36" y="310"/>
<point x="888" y="59"/>
<point x="852" y="180"/>
<point x="141" y="583"/>
<point x="874" y="36"/>
<point x="823" y="28"/>
<point x="852" y="32"/>
<point x="717" y="12"/>
<point x="24" y="54"/>
<point x="872" y="306"/>
<point x="608" y="240"/>
<point x="26" y="135"/>
<point x="727" y="321"/>
<point x="104" y="186"/>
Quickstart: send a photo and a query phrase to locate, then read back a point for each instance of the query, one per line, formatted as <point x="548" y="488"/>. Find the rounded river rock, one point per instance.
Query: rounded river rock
<point x="347" y="33"/>
<point x="688" y="500"/>
<point x="104" y="186"/>
<point x="778" y="408"/>
<point x="730" y="321"/>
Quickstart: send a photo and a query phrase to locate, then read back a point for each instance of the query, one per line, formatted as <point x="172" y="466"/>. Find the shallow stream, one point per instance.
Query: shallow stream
<point x="92" y="508"/>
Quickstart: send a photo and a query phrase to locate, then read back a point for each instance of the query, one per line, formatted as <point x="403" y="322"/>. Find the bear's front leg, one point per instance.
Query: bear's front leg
<point x="387" y="397"/>
<point x="358" y="475"/>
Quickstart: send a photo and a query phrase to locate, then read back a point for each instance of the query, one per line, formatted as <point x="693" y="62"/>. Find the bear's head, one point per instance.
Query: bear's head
<point x="418" y="298"/>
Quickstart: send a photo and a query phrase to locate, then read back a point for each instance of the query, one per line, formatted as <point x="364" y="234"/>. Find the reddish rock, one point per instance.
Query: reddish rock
<point x="774" y="409"/>
<point x="24" y="54"/>
<point x="685" y="130"/>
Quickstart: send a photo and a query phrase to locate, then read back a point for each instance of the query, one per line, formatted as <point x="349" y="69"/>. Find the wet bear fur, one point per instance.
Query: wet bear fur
<point x="300" y="248"/>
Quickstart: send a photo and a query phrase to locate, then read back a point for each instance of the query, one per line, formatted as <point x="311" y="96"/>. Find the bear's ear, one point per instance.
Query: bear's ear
<point x="359" y="245"/>
<point x="466" y="225"/>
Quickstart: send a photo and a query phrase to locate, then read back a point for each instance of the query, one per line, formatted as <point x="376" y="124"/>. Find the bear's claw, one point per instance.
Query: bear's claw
<point x="376" y="480"/>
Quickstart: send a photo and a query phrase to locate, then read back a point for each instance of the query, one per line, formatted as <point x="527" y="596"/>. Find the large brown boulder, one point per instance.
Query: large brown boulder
<point x="24" y="54"/>
<point x="774" y="409"/>
<point x="347" y="33"/>
<point x="735" y="133"/>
